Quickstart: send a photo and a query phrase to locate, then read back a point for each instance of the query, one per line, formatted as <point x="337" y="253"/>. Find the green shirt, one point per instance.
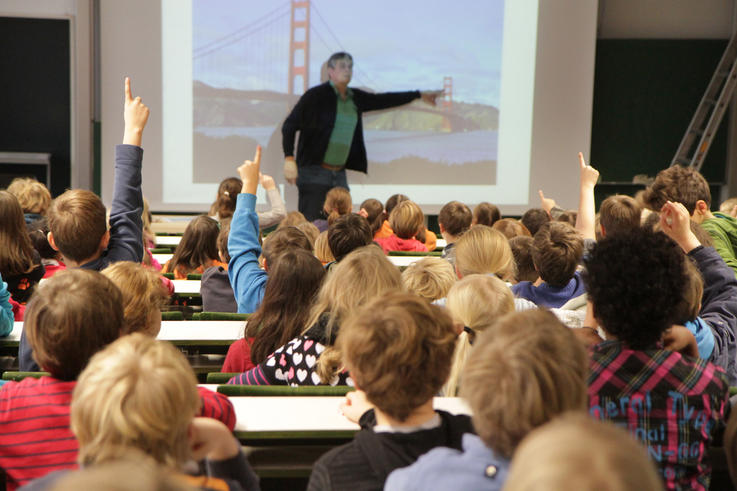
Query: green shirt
<point x="341" y="138"/>
<point x="723" y="231"/>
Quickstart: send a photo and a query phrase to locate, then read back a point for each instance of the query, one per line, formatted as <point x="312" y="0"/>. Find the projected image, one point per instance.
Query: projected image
<point x="253" y="59"/>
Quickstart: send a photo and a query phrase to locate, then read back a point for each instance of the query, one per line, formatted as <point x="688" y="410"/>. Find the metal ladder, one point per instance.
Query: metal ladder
<point x="708" y="115"/>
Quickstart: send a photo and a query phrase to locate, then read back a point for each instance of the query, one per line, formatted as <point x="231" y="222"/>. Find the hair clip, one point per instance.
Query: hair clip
<point x="226" y="193"/>
<point x="471" y="334"/>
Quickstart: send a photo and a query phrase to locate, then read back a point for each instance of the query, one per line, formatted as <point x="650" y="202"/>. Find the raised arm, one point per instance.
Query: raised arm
<point x="278" y="211"/>
<point x="367" y="101"/>
<point x="246" y="277"/>
<point x="586" y="217"/>
<point x="126" y="227"/>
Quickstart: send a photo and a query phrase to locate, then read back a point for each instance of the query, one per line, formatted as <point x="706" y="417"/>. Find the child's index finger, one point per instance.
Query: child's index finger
<point x="128" y="96"/>
<point x="581" y="160"/>
<point x="257" y="157"/>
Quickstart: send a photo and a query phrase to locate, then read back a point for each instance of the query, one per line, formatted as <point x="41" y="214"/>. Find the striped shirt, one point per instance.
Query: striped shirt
<point x="669" y="402"/>
<point x="35" y="438"/>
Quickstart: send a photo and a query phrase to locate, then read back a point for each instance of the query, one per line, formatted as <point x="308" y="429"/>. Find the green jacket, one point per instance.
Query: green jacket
<point x="723" y="231"/>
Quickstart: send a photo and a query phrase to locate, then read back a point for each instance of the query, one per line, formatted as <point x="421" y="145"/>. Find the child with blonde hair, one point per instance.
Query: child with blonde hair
<point x="577" y="452"/>
<point x="312" y="358"/>
<point x="431" y="278"/>
<point x="523" y="371"/>
<point x="395" y="383"/>
<point x="141" y="394"/>
<point x="483" y="250"/>
<point x="33" y="196"/>
<point x="143" y="296"/>
<point x="322" y="249"/>
<point x="406" y="221"/>
<point x="475" y="302"/>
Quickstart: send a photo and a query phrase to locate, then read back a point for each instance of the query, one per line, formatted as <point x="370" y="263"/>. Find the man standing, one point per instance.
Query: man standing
<point x="328" y="118"/>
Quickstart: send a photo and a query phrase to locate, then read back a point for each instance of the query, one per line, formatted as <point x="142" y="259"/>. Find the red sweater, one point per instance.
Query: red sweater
<point x="35" y="437"/>
<point x="394" y="243"/>
<point x="238" y="358"/>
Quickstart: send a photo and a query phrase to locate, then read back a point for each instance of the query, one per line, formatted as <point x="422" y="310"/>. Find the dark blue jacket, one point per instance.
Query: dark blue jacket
<point x="719" y="307"/>
<point x="126" y="228"/>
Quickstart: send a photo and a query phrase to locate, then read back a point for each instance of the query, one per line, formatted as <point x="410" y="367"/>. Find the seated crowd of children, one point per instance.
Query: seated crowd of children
<point x="593" y="350"/>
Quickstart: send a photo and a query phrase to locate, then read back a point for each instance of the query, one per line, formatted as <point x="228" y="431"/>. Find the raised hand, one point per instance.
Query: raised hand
<point x="676" y="223"/>
<point x="546" y="204"/>
<point x="430" y="96"/>
<point x="135" y="115"/>
<point x="266" y="181"/>
<point x="589" y="175"/>
<point x="249" y="172"/>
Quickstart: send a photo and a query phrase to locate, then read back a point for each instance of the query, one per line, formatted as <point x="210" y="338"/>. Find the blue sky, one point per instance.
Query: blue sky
<point x="396" y="45"/>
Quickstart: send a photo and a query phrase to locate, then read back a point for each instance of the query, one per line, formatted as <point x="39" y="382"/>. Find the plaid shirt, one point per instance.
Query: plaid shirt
<point x="669" y="402"/>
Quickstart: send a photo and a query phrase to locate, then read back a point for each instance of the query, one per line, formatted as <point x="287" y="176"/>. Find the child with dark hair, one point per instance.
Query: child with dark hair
<point x="396" y="383"/>
<point x="454" y="220"/>
<point x="291" y="288"/>
<point x="668" y="401"/>
<point x="556" y="251"/>
<point x="373" y="211"/>
<point x="619" y="214"/>
<point x="70" y="317"/>
<point x="522" y="252"/>
<point x="486" y="214"/>
<point x="20" y="263"/>
<point x="511" y="228"/>
<point x="346" y="234"/>
<point x="217" y="294"/>
<point x="246" y="276"/>
<point x="78" y="225"/>
<point x="197" y="251"/>
<point x="687" y="186"/>
<point x="534" y="218"/>
<point x="224" y="205"/>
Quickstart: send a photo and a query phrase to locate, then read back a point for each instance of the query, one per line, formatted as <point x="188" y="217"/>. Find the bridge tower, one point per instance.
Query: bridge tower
<point x="448" y="93"/>
<point x="299" y="41"/>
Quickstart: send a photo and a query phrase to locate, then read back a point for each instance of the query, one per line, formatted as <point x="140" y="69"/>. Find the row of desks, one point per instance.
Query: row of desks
<point x="173" y="241"/>
<point x="180" y="333"/>
<point x="396" y="260"/>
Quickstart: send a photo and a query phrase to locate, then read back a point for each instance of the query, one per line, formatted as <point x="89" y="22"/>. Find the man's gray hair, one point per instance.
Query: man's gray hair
<point x="340" y="55"/>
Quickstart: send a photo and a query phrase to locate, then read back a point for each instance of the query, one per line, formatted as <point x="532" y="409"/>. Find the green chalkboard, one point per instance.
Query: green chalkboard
<point x="645" y="93"/>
